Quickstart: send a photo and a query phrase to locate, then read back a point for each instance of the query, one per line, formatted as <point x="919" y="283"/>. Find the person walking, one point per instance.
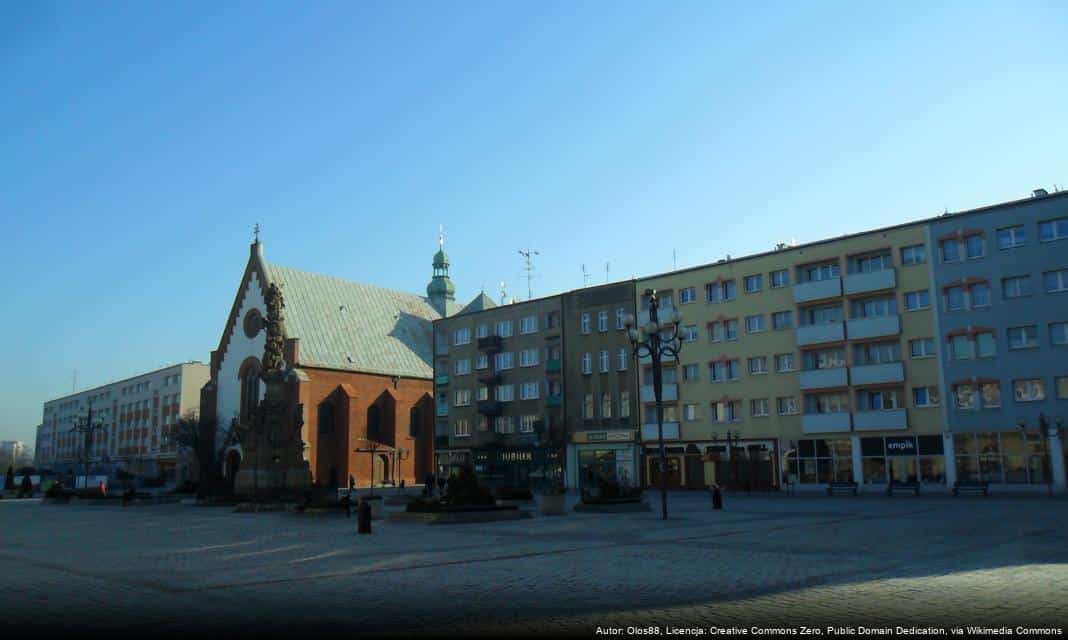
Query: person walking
<point x="429" y="489"/>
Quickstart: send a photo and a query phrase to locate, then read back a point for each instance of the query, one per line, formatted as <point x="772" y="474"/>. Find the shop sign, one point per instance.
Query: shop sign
<point x="620" y="435"/>
<point x="901" y="446"/>
<point x="596" y="436"/>
<point x="516" y="456"/>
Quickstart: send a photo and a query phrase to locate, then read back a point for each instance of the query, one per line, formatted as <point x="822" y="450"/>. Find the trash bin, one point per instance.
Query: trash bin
<point x="363" y="517"/>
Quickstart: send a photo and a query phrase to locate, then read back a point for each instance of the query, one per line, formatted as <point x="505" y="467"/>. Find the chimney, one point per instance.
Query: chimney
<point x="1039" y="193"/>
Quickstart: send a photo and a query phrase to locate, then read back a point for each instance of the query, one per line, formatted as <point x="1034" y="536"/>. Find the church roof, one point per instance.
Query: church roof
<point x="480" y="303"/>
<point x="354" y="326"/>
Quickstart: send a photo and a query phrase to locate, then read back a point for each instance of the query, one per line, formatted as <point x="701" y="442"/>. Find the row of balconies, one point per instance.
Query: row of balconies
<point x="859" y="375"/>
<point x="495" y="407"/>
<point x="852" y="284"/>
<point x="856" y="329"/>
<point x="844" y="421"/>
<point x="488" y="376"/>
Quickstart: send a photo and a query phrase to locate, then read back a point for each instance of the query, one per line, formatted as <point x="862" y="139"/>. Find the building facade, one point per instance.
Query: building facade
<point x="1001" y="282"/>
<point x="136" y="415"/>
<point x="498" y="386"/>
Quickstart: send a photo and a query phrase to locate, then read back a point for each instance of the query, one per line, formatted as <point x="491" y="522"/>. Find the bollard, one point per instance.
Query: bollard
<point x="717" y="497"/>
<point x="363" y="517"/>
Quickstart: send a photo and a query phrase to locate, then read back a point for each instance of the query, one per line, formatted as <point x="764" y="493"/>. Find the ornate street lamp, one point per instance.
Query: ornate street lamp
<point x="89" y="428"/>
<point x="656" y="340"/>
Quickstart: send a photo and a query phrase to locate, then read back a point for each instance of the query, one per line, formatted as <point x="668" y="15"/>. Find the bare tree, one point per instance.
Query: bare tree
<point x="208" y="444"/>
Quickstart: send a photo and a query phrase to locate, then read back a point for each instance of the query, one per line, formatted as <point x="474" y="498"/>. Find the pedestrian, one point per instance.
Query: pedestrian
<point x="428" y="491"/>
<point x="352" y="482"/>
<point x="441" y="486"/>
<point x="717" y="497"/>
<point x="348" y="505"/>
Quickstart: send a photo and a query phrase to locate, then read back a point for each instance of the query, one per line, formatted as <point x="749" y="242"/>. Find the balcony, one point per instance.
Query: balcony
<point x="877" y="373"/>
<point x="670" y="393"/>
<point x="552" y="365"/>
<point x="820" y="333"/>
<point x="671" y="431"/>
<point x="553" y="401"/>
<point x="880" y="420"/>
<point x="872" y="281"/>
<point x="442" y="379"/>
<point x="489" y="343"/>
<point x="862" y="328"/>
<point x="817" y="290"/>
<point x="824" y="378"/>
<point x="489" y="407"/>
<point x="826" y="422"/>
<point x="488" y="377"/>
<point x="442" y="411"/>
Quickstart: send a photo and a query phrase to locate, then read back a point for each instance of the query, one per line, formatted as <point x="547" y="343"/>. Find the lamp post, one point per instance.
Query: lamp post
<point x="1044" y="429"/>
<point x="650" y="340"/>
<point x="89" y="428"/>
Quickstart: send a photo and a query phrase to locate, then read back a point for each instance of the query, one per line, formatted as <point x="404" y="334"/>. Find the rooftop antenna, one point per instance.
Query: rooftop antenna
<point x="74" y="382"/>
<point x="504" y="292"/>
<point x="674" y="259"/>
<point x="606" y="269"/>
<point x="585" y="276"/>
<point x="528" y="255"/>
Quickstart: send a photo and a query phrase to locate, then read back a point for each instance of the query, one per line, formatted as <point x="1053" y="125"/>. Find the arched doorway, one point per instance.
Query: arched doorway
<point x="381" y="471"/>
<point x="233" y="463"/>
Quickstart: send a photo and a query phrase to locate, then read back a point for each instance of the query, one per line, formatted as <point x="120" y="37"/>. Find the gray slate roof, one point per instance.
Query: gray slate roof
<point x="480" y="303"/>
<point x="353" y="326"/>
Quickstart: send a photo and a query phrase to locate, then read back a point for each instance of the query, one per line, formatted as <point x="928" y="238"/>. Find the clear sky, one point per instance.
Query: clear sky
<point x="142" y="140"/>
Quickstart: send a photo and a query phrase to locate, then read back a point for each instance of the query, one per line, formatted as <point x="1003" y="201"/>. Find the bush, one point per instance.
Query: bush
<point x="513" y="493"/>
<point x="464" y="489"/>
<point x="55" y="491"/>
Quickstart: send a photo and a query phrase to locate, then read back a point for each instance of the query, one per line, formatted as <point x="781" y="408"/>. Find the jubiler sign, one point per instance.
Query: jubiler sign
<point x="901" y="446"/>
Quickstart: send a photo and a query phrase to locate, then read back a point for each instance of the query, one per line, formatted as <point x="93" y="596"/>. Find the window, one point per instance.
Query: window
<point x="528" y="357"/>
<point x="782" y="320"/>
<point x="915" y="254"/>
<point x="1051" y="230"/>
<point x="826" y="403"/>
<point x="624" y="404"/>
<point x="964" y="396"/>
<point x="784" y="362"/>
<point x="1056" y="281"/>
<point x="780" y="278"/>
<point x="504" y="328"/>
<point x="689" y="412"/>
<point x="875" y="353"/>
<point x="526" y="423"/>
<point x="606" y="405"/>
<point x="585" y="321"/>
<point x="871" y="263"/>
<point x="1012" y="237"/>
<point x="529" y="390"/>
<point x="754" y="324"/>
<point x="504" y="360"/>
<point x="1058" y="332"/>
<point x="985" y="345"/>
<point x="758" y="365"/>
<point x="816" y="272"/>
<point x="621" y="315"/>
<point x="587" y="406"/>
<point x="979" y="294"/>
<point x="462" y="367"/>
<point x="880" y="400"/>
<point x="717" y="292"/>
<point x="504" y="393"/>
<point x="1016" y="287"/>
<point x="923" y="347"/>
<point x="786" y="406"/>
<point x="690" y="372"/>
<point x="1031" y="390"/>
<point x="462" y="336"/>
<point x="925" y="396"/>
<point x="754" y="283"/>
<point x="821" y="315"/>
<point x="689" y="333"/>
<point x="990" y="394"/>
<point x="602" y="321"/>
<point x="974" y="247"/>
<point x="528" y="324"/>
<point x="725" y="411"/>
<point x="482" y="362"/>
<point x="723" y="370"/>
<point x="482" y="331"/>
<point x="916" y="300"/>
<point x="950" y="250"/>
<point x="461" y="428"/>
<point x="758" y="408"/>
<point x="482" y="393"/>
<point x="552" y="320"/>
<point x="1025" y="337"/>
<point x="960" y="347"/>
<point x="720" y="331"/>
<point x="604" y="361"/>
<point x="687" y="295"/>
<point x="504" y="424"/>
<point x="954" y="298"/>
<point x="621" y="359"/>
<point x="463" y="398"/>
<point x="587" y="362"/>
<point x="1061" y="382"/>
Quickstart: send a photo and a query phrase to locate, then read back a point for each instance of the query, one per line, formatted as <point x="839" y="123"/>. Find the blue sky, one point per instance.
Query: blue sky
<point x="141" y="142"/>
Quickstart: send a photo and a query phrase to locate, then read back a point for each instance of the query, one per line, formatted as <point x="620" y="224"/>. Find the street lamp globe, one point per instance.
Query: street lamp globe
<point x="628" y="320"/>
<point x="676" y="316"/>
<point x="635" y="336"/>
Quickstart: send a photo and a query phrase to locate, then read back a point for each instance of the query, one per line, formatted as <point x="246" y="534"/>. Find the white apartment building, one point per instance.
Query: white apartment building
<point x="136" y="416"/>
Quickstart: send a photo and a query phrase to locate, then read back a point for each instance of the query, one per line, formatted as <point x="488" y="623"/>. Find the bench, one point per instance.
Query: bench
<point x="838" y="487"/>
<point x="973" y="486"/>
<point x="914" y="487"/>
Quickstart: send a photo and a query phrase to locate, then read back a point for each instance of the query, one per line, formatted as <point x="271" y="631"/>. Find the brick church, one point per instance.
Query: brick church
<point x="362" y="360"/>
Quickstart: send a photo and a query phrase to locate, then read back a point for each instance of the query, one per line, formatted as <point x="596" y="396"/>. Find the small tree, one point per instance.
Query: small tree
<point x="26" y="489"/>
<point x="201" y="436"/>
<point x="9" y="479"/>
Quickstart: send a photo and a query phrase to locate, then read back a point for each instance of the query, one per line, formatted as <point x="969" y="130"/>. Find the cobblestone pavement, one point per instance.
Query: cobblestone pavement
<point x="763" y="561"/>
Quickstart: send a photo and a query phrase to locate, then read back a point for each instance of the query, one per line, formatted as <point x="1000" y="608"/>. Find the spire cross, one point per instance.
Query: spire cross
<point x="441" y="236"/>
<point x="256" y="232"/>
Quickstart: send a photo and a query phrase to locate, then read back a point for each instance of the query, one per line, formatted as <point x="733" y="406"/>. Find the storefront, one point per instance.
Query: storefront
<point x="450" y="461"/>
<point x="746" y="465"/>
<point x="903" y="459"/>
<point x="1008" y="457"/>
<point x="534" y="467"/>
<point x="820" y="461"/>
<point x="597" y="456"/>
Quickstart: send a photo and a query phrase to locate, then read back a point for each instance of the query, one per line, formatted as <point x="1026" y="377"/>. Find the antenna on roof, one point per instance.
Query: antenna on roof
<point x="529" y="268"/>
<point x="674" y="259"/>
<point x="606" y="269"/>
<point x="504" y="292"/>
<point x="585" y="276"/>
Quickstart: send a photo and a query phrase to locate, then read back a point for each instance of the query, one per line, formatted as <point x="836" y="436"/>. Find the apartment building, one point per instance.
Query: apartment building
<point x="600" y="386"/>
<point x="136" y="416"/>
<point x="1000" y="277"/>
<point x="498" y="387"/>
